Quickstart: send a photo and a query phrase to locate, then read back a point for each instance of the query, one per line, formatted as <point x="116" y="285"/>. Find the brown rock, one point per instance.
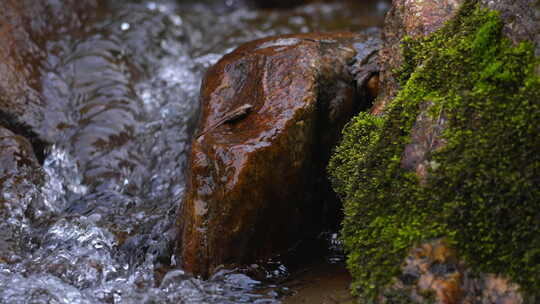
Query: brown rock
<point x="255" y="181"/>
<point x="366" y="67"/>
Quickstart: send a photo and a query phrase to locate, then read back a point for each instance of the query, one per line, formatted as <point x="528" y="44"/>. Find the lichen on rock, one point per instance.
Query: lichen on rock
<point x="479" y="188"/>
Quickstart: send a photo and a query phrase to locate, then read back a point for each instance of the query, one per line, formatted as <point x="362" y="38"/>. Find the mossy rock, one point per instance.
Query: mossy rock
<point x="481" y="189"/>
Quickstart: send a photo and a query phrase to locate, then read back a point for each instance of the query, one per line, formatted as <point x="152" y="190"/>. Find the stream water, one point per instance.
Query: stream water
<point x="122" y="98"/>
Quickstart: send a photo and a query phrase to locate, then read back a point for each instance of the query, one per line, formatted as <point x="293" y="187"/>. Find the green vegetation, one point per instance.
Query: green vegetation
<point x="483" y="187"/>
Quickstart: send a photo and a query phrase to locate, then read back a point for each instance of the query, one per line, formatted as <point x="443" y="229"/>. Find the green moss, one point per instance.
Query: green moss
<point x="484" y="195"/>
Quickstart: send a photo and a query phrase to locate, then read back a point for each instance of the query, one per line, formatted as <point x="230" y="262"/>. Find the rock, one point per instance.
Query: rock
<point x="426" y="137"/>
<point x="417" y="19"/>
<point x="524" y="28"/>
<point x="366" y="67"/>
<point x="16" y="152"/>
<point x="271" y="112"/>
<point x="25" y="27"/>
<point x="433" y="271"/>
<point x="463" y="124"/>
<point x="20" y="173"/>
<point x="414" y="18"/>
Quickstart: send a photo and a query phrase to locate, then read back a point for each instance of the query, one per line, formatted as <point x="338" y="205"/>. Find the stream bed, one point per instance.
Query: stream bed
<point x="121" y="105"/>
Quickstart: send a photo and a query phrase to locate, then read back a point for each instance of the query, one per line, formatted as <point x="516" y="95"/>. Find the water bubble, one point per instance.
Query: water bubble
<point x="176" y="20"/>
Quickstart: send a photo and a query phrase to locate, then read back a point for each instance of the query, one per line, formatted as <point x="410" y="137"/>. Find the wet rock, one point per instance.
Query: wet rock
<point x="25" y="27"/>
<point x="19" y="167"/>
<point x="271" y="111"/>
<point x="366" y="67"/>
<point x="16" y="152"/>
<point x="20" y="173"/>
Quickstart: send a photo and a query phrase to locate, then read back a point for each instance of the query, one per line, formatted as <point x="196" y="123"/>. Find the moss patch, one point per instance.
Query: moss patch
<point x="484" y="194"/>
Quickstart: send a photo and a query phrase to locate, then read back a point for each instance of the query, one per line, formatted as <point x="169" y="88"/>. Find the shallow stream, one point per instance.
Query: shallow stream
<point x="122" y="99"/>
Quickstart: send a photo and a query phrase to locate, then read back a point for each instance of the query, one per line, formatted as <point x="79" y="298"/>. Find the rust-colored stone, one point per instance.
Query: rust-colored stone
<point x="254" y="184"/>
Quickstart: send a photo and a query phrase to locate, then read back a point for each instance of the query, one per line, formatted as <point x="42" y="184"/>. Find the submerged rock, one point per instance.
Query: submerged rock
<point x="271" y="112"/>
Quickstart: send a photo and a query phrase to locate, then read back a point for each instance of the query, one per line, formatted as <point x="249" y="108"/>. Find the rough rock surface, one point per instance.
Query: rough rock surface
<point x="417" y="19"/>
<point x="271" y="111"/>
<point x="414" y="18"/>
<point x="25" y="27"/>
<point x="433" y="268"/>
<point x="19" y="173"/>
<point x="434" y="271"/>
<point x="15" y="153"/>
<point x="521" y="19"/>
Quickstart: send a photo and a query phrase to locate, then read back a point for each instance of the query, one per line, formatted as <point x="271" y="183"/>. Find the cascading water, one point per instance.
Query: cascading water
<point x="122" y="98"/>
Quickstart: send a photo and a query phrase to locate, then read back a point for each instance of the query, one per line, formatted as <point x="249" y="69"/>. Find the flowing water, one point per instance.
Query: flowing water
<point x="122" y="99"/>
